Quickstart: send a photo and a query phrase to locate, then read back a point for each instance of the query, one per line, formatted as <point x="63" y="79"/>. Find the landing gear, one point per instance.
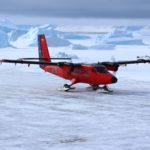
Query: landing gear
<point x="106" y="89"/>
<point x="66" y="88"/>
<point x="103" y="89"/>
<point x="95" y="87"/>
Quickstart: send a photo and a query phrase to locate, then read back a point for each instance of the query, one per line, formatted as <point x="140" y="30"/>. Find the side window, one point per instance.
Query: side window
<point x="101" y="69"/>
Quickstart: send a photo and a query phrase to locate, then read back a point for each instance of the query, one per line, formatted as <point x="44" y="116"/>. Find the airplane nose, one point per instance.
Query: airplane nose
<point x="114" y="80"/>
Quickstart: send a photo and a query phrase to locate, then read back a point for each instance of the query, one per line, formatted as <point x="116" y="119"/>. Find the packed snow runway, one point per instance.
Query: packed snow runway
<point x="35" y="115"/>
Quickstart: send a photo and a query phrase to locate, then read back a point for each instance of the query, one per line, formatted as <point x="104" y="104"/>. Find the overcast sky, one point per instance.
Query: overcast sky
<point x="77" y="8"/>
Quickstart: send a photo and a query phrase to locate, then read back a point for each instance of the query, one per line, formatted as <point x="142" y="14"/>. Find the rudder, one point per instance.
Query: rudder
<point x="44" y="55"/>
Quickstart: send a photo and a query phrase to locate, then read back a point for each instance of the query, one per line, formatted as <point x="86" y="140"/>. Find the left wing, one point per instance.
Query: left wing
<point x="113" y="66"/>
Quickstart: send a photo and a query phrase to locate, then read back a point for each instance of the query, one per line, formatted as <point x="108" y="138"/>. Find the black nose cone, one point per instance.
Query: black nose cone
<point x="114" y="80"/>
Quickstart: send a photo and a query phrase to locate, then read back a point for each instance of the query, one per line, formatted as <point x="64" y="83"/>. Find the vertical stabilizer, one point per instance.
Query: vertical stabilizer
<point x="44" y="55"/>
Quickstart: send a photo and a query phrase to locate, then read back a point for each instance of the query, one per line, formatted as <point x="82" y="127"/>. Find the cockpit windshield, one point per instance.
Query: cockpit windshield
<point x="101" y="69"/>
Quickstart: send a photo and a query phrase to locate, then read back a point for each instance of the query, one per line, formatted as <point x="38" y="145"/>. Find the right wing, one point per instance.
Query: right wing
<point x="28" y="62"/>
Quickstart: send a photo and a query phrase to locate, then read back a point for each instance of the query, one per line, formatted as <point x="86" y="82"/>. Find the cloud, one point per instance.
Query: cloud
<point x="78" y="8"/>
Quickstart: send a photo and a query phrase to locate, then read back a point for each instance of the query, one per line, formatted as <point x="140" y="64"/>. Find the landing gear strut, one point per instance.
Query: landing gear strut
<point x="68" y="87"/>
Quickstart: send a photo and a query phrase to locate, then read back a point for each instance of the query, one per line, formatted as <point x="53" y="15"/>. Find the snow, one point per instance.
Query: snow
<point x="7" y="23"/>
<point x="35" y="115"/>
<point x="26" y="39"/>
<point x="85" y="28"/>
<point x="3" y="39"/>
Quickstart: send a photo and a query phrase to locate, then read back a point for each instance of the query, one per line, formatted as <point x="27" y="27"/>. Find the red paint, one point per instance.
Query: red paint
<point x="112" y="67"/>
<point x="77" y="74"/>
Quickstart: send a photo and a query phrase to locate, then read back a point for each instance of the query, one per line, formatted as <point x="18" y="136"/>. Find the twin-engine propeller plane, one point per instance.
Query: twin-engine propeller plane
<point x="97" y="75"/>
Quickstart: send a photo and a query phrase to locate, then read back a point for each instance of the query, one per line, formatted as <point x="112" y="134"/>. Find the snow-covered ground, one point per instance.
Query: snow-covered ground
<point x="34" y="115"/>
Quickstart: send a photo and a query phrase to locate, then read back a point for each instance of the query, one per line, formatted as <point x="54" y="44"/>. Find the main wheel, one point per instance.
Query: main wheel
<point x="95" y="87"/>
<point x="66" y="86"/>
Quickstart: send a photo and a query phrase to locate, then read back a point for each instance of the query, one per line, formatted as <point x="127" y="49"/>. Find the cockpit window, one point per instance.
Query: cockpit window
<point x="101" y="69"/>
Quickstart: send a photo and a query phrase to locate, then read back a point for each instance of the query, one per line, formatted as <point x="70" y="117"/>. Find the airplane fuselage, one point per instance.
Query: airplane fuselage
<point x="83" y="74"/>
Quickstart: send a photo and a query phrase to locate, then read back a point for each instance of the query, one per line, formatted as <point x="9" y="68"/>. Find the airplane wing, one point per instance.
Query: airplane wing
<point x="113" y="66"/>
<point x="138" y="61"/>
<point x="29" y="62"/>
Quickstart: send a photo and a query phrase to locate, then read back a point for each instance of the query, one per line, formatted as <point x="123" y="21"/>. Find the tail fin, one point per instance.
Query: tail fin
<point x="43" y="50"/>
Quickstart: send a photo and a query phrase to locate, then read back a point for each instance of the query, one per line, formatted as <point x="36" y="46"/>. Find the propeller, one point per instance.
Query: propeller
<point x="146" y="57"/>
<point x="113" y="59"/>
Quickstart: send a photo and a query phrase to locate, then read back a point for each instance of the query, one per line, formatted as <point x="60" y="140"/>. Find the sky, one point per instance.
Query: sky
<point x="78" y="8"/>
<point x="75" y="9"/>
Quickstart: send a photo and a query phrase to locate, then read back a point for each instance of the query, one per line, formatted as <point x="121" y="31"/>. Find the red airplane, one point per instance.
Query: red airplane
<point x="95" y="74"/>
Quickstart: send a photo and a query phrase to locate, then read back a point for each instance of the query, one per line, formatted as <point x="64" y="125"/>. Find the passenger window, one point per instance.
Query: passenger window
<point x="101" y="69"/>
